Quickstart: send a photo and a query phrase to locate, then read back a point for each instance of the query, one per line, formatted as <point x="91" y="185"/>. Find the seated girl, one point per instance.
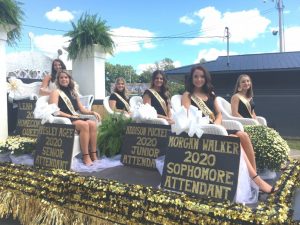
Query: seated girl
<point x="67" y="100"/>
<point x="118" y="100"/>
<point x="242" y="104"/>
<point x="158" y="96"/>
<point x="200" y="93"/>
<point x="48" y="83"/>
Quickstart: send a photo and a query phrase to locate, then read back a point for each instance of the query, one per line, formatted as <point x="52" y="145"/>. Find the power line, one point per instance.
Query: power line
<point x="44" y="28"/>
<point x="158" y="38"/>
<point x="168" y="37"/>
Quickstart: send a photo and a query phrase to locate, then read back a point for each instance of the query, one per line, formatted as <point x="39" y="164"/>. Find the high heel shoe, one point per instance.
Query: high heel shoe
<point x="273" y="190"/>
<point x="93" y="156"/>
<point x="84" y="157"/>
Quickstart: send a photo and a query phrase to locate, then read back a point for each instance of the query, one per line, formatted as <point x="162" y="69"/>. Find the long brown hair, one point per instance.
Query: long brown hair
<point x="71" y="85"/>
<point x="249" y="93"/>
<point x="53" y="71"/>
<point x="164" y="90"/>
<point x="208" y="88"/>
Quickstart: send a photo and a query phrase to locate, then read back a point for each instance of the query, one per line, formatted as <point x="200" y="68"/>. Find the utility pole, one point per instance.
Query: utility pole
<point x="227" y="37"/>
<point x="31" y="36"/>
<point x="279" y="6"/>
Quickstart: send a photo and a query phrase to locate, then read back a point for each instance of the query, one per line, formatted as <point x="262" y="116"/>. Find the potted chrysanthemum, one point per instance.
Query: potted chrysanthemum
<point x="271" y="150"/>
<point x="17" y="148"/>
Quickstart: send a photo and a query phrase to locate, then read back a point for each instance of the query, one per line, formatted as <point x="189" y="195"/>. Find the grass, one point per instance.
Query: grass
<point x="294" y="143"/>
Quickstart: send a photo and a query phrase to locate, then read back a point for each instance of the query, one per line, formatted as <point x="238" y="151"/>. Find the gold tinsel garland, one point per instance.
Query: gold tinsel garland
<point x="40" y="196"/>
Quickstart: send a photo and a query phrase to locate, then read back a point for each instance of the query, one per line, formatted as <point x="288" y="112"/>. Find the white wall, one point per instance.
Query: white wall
<point x="89" y="73"/>
<point x="3" y="87"/>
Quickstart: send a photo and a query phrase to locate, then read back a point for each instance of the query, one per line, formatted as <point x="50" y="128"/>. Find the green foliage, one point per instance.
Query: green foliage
<point x="110" y="134"/>
<point x="202" y="61"/>
<point x="165" y="64"/>
<point x="145" y="76"/>
<point x="271" y="150"/>
<point x="89" y="30"/>
<point x="17" y="145"/>
<point x="11" y="13"/>
<point x="114" y="71"/>
<point x="175" y="88"/>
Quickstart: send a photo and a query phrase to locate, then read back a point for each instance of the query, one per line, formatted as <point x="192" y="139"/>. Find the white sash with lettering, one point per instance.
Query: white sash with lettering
<point x="203" y="107"/>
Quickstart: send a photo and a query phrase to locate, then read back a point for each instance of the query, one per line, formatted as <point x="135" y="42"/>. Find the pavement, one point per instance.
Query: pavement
<point x="295" y="154"/>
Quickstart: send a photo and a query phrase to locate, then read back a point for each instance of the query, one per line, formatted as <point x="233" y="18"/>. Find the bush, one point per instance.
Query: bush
<point x="110" y="134"/>
<point x="271" y="150"/>
<point x="18" y="145"/>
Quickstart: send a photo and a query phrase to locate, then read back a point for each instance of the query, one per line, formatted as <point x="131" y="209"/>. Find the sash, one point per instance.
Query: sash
<point x="68" y="102"/>
<point x="127" y="106"/>
<point x="160" y="100"/>
<point x="246" y="102"/>
<point x="203" y="107"/>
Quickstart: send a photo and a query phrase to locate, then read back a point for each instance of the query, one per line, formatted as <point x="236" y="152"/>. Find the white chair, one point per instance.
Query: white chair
<point x="176" y="102"/>
<point x="107" y="107"/>
<point x="225" y="108"/>
<point x="19" y="90"/>
<point x="210" y="128"/>
<point x="135" y="102"/>
<point x="87" y="101"/>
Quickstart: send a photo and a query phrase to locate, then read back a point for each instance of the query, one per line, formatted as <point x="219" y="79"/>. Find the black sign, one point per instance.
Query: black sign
<point x="143" y="143"/>
<point x="27" y="126"/>
<point x="55" y="146"/>
<point x="205" y="167"/>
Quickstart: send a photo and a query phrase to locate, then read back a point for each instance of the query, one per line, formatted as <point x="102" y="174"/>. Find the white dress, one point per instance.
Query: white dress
<point x="51" y="86"/>
<point x="247" y="190"/>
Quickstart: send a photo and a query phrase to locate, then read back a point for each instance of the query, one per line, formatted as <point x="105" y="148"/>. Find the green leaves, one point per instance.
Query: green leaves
<point x="11" y="14"/>
<point x="110" y="134"/>
<point x="88" y="31"/>
<point x="271" y="150"/>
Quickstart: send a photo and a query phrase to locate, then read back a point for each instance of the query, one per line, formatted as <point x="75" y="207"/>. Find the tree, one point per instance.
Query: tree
<point x="114" y="71"/>
<point x="202" y="61"/>
<point x="11" y="14"/>
<point x="175" y="88"/>
<point x="166" y="64"/>
<point x="89" y="30"/>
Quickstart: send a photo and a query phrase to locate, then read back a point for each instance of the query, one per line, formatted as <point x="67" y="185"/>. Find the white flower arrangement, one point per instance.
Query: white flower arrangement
<point x="18" y="145"/>
<point x="271" y="150"/>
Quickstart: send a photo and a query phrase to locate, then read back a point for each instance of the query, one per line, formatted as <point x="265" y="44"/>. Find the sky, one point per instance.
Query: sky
<point x="146" y="32"/>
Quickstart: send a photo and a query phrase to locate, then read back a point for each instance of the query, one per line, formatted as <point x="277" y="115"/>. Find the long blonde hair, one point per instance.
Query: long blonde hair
<point x="249" y="93"/>
<point x="125" y="91"/>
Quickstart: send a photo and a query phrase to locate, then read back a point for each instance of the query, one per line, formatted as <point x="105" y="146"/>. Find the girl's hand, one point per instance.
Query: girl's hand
<point x="170" y="121"/>
<point x="97" y="115"/>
